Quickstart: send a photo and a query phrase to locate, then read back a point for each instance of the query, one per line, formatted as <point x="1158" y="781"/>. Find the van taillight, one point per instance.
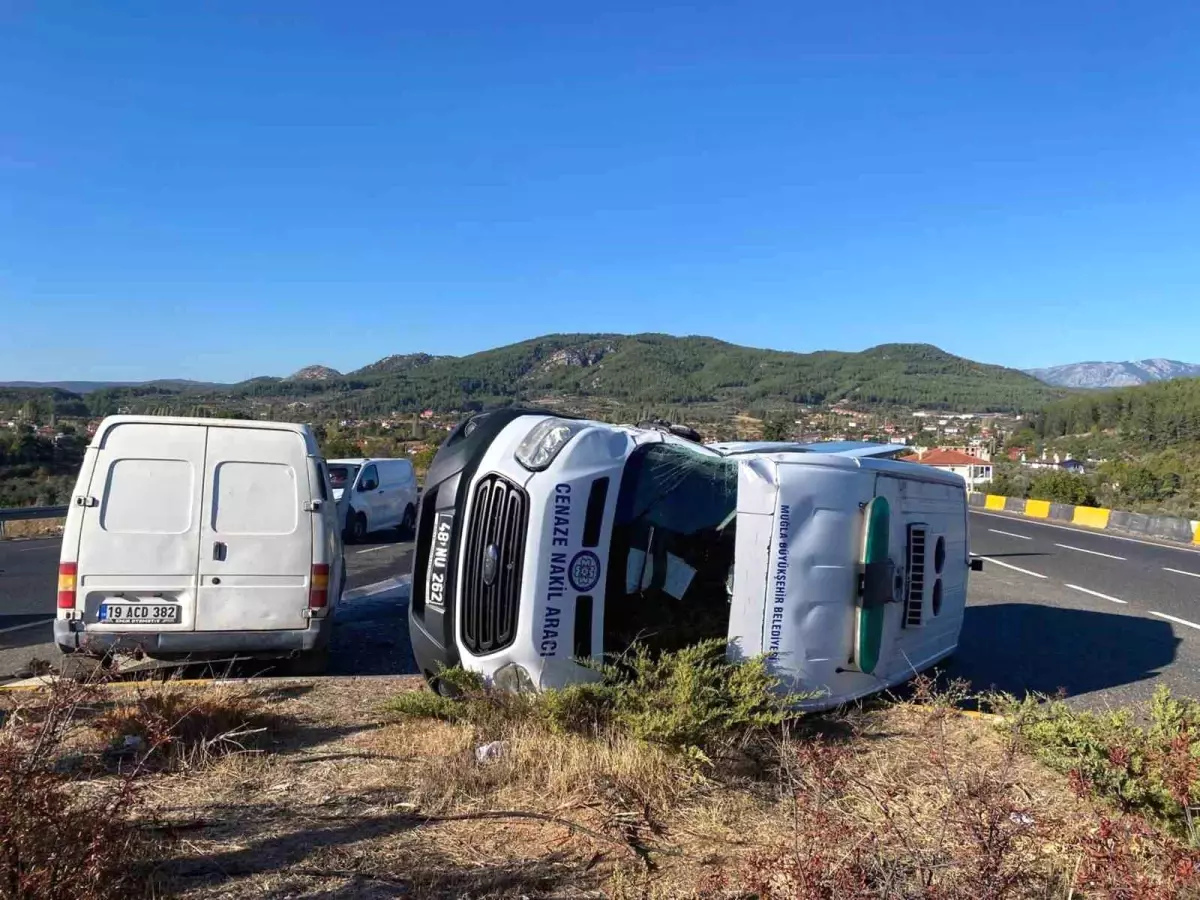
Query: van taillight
<point x="66" y="585"/>
<point x="318" y="591"/>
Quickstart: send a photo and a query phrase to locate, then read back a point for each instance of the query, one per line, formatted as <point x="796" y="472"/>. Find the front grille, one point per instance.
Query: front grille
<point x="914" y="601"/>
<point x="499" y="520"/>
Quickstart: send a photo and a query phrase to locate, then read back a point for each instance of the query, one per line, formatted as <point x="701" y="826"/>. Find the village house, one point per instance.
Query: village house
<point x="973" y="470"/>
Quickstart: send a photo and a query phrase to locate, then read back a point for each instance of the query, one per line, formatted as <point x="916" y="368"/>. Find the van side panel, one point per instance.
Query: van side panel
<point x="256" y="538"/>
<point x="140" y="534"/>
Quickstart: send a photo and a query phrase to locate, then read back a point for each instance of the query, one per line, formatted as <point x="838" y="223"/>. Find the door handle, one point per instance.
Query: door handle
<point x="219" y="549"/>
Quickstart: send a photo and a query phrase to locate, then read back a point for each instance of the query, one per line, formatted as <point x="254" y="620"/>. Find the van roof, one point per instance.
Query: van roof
<point x="112" y="421"/>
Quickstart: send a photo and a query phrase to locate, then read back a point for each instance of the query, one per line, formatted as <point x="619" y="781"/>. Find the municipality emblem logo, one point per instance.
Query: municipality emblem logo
<point x="584" y="571"/>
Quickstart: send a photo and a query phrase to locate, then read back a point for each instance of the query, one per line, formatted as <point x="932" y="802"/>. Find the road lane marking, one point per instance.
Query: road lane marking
<point x="25" y="625"/>
<point x="1093" y="552"/>
<point x="373" y="549"/>
<point x="1180" y="572"/>
<point x="378" y="587"/>
<point x="1164" y="544"/>
<point x="1084" y="590"/>
<point x="39" y="547"/>
<point x="1010" y="534"/>
<point x="1173" y="619"/>
<point x="1009" y="566"/>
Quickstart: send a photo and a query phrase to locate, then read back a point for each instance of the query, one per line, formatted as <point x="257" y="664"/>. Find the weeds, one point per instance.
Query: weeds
<point x="174" y="728"/>
<point x="60" y="838"/>
<point x="692" y="701"/>
<point x="1150" y="770"/>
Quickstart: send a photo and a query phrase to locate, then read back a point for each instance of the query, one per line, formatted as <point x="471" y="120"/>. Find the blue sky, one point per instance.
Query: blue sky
<point x="225" y="189"/>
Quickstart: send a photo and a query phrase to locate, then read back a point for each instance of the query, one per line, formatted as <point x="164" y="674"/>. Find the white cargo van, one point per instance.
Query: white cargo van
<point x="544" y="542"/>
<point x="373" y="495"/>
<point x="195" y="537"/>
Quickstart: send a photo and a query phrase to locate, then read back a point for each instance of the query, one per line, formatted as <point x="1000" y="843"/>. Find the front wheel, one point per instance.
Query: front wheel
<point x="409" y="523"/>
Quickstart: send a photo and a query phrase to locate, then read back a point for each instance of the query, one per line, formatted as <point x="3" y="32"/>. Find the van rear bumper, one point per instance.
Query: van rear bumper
<point x="265" y="643"/>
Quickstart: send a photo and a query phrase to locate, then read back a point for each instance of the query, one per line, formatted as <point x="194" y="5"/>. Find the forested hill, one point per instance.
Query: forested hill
<point x="1150" y="415"/>
<point x="636" y="370"/>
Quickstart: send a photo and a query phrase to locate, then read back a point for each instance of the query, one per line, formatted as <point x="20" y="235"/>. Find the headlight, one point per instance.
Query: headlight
<point x="544" y="442"/>
<point x="513" y="678"/>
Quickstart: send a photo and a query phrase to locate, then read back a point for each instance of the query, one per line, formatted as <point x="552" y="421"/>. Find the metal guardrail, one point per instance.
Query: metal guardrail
<point x="30" y="512"/>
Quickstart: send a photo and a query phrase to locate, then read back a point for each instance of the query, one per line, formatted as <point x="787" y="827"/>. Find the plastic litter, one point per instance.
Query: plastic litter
<point x="490" y="751"/>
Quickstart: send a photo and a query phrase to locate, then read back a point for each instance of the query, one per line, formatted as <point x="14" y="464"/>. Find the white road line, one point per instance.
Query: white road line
<point x="1010" y="566"/>
<point x="40" y="547"/>
<point x="1093" y="552"/>
<point x="373" y="549"/>
<point x="1010" y="534"/>
<point x="1084" y="590"/>
<point x="1173" y="619"/>
<point x="1042" y="523"/>
<point x="1180" y="572"/>
<point x="26" y="625"/>
<point x="378" y="587"/>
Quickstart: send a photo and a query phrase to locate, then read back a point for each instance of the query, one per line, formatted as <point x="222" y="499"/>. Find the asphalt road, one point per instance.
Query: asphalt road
<point x="1102" y="618"/>
<point x="370" y="635"/>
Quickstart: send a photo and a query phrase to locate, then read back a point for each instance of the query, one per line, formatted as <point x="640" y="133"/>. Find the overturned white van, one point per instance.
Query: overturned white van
<point x="200" y="537"/>
<point x="544" y="541"/>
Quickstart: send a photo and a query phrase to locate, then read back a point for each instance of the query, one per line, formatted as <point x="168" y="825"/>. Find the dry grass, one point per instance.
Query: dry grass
<point x="33" y="528"/>
<point x="336" y="800"/>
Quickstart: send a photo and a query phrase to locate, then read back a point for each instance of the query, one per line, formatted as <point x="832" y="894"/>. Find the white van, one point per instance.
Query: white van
<point x="191" y="537"/>
<point x="544" y="542"/>
<point x="373" y="495"/>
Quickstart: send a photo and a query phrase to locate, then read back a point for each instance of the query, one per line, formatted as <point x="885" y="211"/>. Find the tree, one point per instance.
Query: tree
<point x="777" y="428"/>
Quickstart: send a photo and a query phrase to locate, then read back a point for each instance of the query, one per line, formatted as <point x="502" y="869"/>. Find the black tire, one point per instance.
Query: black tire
<point x="409" y="523"/>
<point x="356" y="528"/>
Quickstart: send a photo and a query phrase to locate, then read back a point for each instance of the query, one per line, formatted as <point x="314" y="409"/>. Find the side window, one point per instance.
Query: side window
<point x="370" y="479"/>
<point x="321" y="479"/>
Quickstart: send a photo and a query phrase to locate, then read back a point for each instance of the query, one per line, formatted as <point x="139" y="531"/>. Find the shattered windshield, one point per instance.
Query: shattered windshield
<point x="671" y="559"/>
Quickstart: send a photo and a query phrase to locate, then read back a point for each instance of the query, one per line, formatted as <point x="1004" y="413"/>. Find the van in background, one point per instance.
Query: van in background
<point x="197" y="537"/>
<point x="374" y="495"/>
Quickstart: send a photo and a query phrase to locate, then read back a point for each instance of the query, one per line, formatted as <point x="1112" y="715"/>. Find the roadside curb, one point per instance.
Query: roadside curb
<point x="1097" y="518"/>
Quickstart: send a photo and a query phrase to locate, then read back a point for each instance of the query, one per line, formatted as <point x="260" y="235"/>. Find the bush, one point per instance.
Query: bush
<point x="1153" y="771"/>
<point x="62" y="839"/>
<point x="174" y="728"/>
<point x="691" y="700"/>
<point x="1062" y="487"/>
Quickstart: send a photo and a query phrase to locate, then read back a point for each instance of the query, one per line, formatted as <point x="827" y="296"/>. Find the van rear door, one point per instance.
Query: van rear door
<point x="256" y="548"/>
<point x="139" y="537"/>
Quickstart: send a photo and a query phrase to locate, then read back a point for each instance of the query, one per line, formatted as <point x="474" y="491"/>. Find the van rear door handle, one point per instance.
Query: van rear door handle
<point x="219" y="551"/>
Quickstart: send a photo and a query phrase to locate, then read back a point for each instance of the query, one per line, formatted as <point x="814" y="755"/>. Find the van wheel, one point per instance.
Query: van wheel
<point x="356" y="528"/>
<point x="409" y="523"/>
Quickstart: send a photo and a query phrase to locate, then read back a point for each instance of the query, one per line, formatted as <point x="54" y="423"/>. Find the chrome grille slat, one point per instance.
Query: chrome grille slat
<point x="500" y="518"/>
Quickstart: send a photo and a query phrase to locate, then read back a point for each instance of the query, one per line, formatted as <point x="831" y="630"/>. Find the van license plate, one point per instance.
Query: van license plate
<point x="139" y="613"/>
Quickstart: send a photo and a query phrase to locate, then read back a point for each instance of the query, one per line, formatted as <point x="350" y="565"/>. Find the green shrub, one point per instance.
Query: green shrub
<point x="690" y="700"/>
<point x="1153" y="770"/>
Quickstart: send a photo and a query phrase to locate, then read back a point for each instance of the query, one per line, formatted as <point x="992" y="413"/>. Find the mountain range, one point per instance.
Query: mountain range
<point x="589" y="371"/>
<point x="1115" y="374"/>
